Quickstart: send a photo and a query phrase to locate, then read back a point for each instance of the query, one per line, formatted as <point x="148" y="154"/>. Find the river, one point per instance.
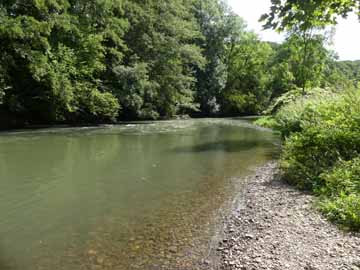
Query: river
<point x="138" y="196"/>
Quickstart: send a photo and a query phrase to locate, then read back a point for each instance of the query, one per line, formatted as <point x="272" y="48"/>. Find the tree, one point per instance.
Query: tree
<point x="305" y="21"/>
<point x="101" y="60"/>
<point x="248" y="76"/>
<point x="221" y="28"/>
<point x="162" y="48"/>
<point x="349" y="70"/>
<point x="308" y="14"/>
<point x="53" y="58"/>
<point x="306" y="59"/>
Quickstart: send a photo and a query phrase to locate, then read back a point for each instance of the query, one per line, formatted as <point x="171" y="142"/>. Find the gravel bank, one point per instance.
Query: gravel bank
<point x="276" y="227"/>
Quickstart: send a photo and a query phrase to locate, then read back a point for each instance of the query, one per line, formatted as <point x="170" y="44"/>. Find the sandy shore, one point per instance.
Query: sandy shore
<point x="277" y="227"/>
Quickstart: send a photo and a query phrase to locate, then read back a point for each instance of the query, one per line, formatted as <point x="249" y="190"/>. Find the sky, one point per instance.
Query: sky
<point x="346" y="39"/>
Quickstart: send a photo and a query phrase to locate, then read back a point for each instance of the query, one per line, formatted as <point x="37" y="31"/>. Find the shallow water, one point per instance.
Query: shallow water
<point x="138" y="196"/>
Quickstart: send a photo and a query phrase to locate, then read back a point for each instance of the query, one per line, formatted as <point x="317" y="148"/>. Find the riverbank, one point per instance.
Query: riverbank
<point x="7" y="125"/>
<point x="277" y="227"/>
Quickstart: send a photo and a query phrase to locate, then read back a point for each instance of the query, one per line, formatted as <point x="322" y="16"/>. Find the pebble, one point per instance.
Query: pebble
<point x="290" y="234"/>
<point x="249" y="236"/>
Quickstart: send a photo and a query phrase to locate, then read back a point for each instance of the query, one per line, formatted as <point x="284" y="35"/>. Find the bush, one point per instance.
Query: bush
<point x="294" y="95"/>
<point x="343" y="210"/>
<point x="323" y="133"/>
<point x="104" y="106"/>
<point x="340" y="195"/>
<point x="313" y="151"/>
<point x="322" y="149"/>
<point x="266" y="122"/>
<point x="292" y="110"/>
<point x="342" y="179"/>
<point x="242" y="103"/>
<point x="95" y="106"/>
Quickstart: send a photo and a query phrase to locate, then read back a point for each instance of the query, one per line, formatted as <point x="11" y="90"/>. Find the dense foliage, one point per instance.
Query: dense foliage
<point x="341" y="194"/>
<point x="322" y="148"/>
<point x="53" y="58"/>
<point x="308" y="14"/>
<point x="348" y="71"/>
<point x="77" y="61"/>
<point x="320" y="126"/>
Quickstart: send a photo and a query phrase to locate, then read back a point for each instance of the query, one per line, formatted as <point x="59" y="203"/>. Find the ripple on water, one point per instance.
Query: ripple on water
<point x="134" y="196"/>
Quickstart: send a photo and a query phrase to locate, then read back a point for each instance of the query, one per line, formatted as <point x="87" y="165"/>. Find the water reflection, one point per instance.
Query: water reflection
<point x="121" y="197"/>
<point x="224" y="146"/>
<point x="4" y="262"/>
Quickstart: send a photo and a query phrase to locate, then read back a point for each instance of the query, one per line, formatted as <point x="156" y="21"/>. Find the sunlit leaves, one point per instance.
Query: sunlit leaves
<point x="304" y="15"/>
<point x="51" y="50"/>
<point x="248" y="76"/>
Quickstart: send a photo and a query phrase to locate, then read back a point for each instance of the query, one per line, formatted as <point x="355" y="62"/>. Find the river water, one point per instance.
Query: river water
<point x="138" y="196"/>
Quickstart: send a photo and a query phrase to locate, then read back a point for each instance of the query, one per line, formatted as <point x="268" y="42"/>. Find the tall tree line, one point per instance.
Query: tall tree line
<point x="103" y="60"/>
<point x="85" y="61"/>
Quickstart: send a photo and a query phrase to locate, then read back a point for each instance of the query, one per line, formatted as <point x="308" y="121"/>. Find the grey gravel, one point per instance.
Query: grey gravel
<point x="277" y="227"/>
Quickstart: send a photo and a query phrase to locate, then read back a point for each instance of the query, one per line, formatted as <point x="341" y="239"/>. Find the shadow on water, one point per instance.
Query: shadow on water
<point x="4" y="264"/>
<point x="230" y="146"/>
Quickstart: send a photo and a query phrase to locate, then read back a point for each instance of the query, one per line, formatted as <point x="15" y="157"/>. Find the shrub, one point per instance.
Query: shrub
<point x="308" y="154"/>
<point x="343" y="210"/>
<point x="344" y="179"/>
<point x="323" y="133"/>
<point x="293" y="95"/>
<point x="292" y="110"/>
<point x="340" y="195"/>
<point x="95" y="106"/>
<point x="104" y="106"/>
<point x="267" y="122"/>
<point x="321" y="150"/>
<point x="241" y="103"/>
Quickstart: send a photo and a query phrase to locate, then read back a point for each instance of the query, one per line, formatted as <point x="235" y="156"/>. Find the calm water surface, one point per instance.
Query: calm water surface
<point x="145" y="196"/>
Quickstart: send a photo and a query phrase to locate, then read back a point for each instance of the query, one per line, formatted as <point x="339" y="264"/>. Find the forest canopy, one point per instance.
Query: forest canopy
<point x="99" y="61"/>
